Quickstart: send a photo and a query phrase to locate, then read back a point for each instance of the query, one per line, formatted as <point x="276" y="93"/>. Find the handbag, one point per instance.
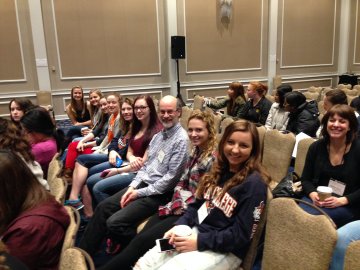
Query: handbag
<point x="289" y="186"/>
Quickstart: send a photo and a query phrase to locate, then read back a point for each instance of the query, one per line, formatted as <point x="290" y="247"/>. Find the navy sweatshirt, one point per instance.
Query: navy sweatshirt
<point x="232" y="221"/>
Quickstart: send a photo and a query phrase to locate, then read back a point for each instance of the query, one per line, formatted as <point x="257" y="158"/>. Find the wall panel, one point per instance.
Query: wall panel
<point x="17" y="63"/>
<point x="308" y="36"/>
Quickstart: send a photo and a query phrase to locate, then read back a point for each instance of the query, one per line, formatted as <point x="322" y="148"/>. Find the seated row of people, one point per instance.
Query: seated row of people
<point x="290" y="111"/>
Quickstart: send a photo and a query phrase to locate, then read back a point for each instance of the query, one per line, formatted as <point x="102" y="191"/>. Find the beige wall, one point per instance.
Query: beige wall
<point x="124" y="46"/>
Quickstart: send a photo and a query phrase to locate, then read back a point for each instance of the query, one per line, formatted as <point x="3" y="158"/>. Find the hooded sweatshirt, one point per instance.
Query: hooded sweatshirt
<point x="37" y="235"/>
<point x="305" y="119"/>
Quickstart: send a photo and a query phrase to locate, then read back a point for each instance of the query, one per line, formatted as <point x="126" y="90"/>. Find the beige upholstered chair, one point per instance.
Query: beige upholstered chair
<point x="270" y="97"/>
<point x="277" y="151"/>
<point x="250" y="256"/>
<point x="76" y="259"/>
<point x="141" y="225"/>
<point x="321" y="107"/>
<point x="54" y="167"/>
<point x="350" y="98"/>
<point x="198" y="102"/>
<point x="217" y="122"/>
<point x="185" y="114"/>
<point x="44" y="99"/>
<point x="70" y="235"/>
<point x="351" y="92"/>
<point x="343" y="86"/>
<point x="302" y="149"/>
<point x="58" y="187"/>
<point x="352" y="256"/>
<point x="312" y="95"/>
<point x="262" y="131"/>
<point x="56" y="184"/>
<point x="295" y="239"/>
<point x="224" y="123"/>
<point x="357" y="87"/>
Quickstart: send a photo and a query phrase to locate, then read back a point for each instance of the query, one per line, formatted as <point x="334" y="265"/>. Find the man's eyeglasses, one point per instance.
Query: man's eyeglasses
<point x="169" y="112"/>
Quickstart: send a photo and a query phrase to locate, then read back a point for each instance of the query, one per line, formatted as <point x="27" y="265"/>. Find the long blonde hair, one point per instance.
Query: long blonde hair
<point x="208" y="119"/>
<point x="211" y="179"/>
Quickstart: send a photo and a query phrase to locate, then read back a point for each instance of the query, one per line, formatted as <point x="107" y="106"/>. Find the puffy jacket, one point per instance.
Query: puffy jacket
<point x="305" y="119"/>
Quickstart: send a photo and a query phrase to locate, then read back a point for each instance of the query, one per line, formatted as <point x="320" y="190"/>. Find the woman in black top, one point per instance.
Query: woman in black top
<point x="334" y="161"/>
<point x="256" y="109"/>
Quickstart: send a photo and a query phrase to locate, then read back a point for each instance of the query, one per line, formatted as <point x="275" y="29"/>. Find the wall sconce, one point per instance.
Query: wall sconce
<point x="225" y="10"/>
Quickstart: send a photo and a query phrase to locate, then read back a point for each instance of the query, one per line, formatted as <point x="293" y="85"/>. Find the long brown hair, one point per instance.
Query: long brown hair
<point x="74" y="105"/>
<point x="16" y="179"/>
<point x="238" y="89"/>
<point x="154" y="122"/>
<point x="208" y="119"/>
<point x="211" y="179"/>
<point x="12" y="139"/>
<point x="125" y="126"/>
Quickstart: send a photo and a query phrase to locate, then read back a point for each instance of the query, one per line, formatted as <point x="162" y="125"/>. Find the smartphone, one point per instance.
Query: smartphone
<point x="163" y="245"/>
<point x="104" y="173"/>
<point x="118" y="162"/>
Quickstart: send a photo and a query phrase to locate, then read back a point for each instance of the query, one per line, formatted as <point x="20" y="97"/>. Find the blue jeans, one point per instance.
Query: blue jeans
<point x="99" y="168"/>
<point x="340" y="215"/>
<point x="103" y="188"/>
<point x="74" y="132"/>
<point x="91" y="160"/>
<point x="346" y="234"/>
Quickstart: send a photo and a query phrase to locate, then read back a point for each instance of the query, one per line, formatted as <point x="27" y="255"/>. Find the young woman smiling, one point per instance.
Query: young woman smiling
<point x="229" y="201"/>
<point x="78" y="113"/>
<point x="203" y="139"/>
<point x="334" y="161"/>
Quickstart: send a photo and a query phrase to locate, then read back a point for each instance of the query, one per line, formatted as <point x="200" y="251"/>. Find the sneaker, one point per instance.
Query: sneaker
<point x="112" y="247"/>
<point x="75" y="203"/>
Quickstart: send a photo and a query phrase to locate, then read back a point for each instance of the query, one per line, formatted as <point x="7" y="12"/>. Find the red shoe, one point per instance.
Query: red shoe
<point x="112" y="247"/>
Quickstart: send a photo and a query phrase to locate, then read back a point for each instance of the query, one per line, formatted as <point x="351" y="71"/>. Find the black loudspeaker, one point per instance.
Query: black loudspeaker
<point x="348" y="79"/>
<point x="178" y="47"/>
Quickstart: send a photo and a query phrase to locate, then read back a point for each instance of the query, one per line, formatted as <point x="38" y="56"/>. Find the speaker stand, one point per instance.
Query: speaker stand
<point x="179" y="97"/>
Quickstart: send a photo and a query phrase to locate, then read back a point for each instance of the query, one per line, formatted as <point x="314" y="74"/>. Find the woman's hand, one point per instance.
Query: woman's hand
<point x="185" y="244"/>
<point x="112" y="157"/>
<point x="136" y="163"/>
<point x="80" y="147"/>
<point x="315" y="198"/>
<point x="170" y="234"/>
<point x="333" y="202"/>
<point x="86" y="131"/>
<point x="111" y="172"/>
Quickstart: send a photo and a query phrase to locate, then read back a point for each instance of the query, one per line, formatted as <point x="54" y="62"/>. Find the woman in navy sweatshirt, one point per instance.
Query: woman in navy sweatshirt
<point x="224" y="217"/>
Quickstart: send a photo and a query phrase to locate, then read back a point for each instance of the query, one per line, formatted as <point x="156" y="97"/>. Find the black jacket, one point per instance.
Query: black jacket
<point x="305" y="119"/>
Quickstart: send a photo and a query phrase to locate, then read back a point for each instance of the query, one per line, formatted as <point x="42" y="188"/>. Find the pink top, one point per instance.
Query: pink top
<point x="44" y="152"/>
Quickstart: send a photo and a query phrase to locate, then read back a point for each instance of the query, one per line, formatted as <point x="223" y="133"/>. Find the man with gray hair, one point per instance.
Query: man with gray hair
<point x="118" y="216"/>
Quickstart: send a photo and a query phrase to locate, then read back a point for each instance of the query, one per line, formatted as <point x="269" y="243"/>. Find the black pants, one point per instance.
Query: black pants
<point x="119" y="223"/>
<point x="145" y="240"/>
